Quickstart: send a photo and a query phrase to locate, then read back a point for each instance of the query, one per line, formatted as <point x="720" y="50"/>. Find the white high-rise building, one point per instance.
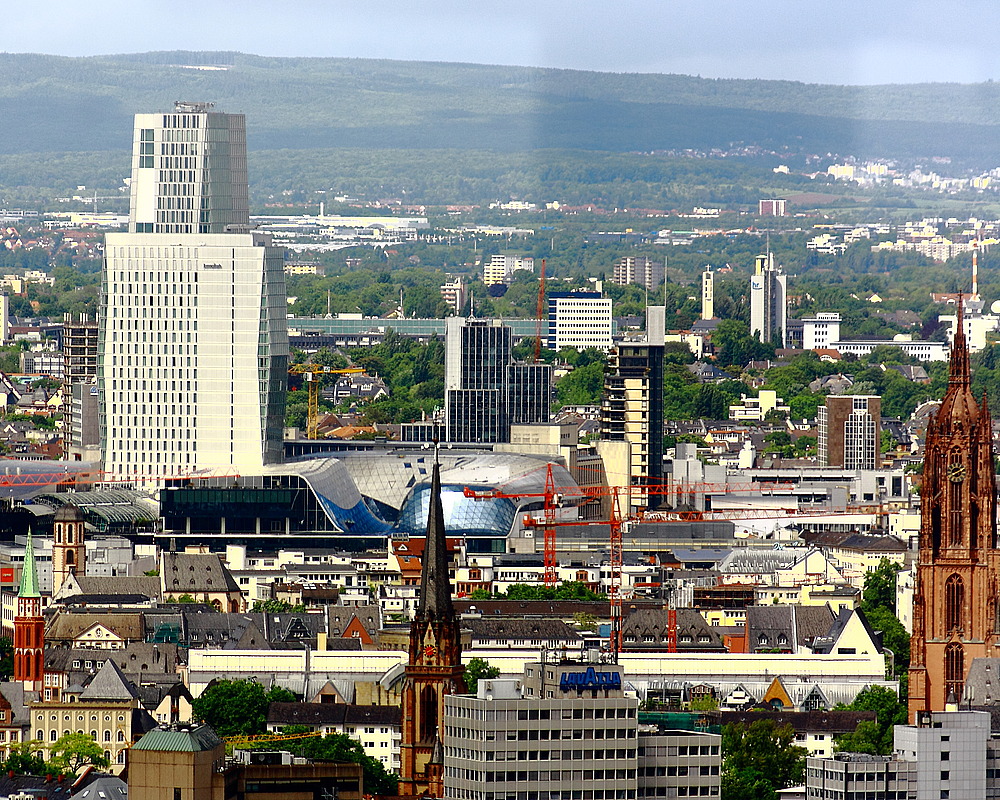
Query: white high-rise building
<point x="193" y="348"/>
<point x="767" y="301"/>
<point x="580" y="320"/>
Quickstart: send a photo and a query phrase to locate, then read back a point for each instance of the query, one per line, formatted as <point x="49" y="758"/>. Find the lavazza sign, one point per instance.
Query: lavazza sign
<point x="590" y="679"/>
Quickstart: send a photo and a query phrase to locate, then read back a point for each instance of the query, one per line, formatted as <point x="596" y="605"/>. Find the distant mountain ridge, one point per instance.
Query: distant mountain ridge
<point x="51" y="104"/>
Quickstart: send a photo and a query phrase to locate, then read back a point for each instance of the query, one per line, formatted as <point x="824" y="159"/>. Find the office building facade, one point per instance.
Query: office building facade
<point x="767" y="301"/>
<point x="580" y="320"/>
<point x="568" y="732"/>
<point x="193" y="344"/>
<point x="486" y="391"/>
<point x="501" y="268"/>
<point x="849" y="431"/>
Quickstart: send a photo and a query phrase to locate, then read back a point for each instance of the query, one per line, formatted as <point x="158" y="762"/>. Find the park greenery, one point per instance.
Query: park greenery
<point x="476" y="670"/>
<point x="69" y="754"/>
<point x="875" y="738"/>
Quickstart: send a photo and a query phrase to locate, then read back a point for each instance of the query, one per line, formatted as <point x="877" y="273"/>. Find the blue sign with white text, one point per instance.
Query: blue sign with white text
<point x="590" y="679"/>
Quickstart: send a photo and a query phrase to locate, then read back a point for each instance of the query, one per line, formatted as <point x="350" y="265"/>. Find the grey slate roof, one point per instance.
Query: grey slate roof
<point x="195" y="572"/>
<point x="105" y="787"/>
<point x="520" y="629"/>
<point x="110" y="683"/>
<point x="120" y="584"/>
<point x="786" y="626"/>
<point x="647" y="630"/>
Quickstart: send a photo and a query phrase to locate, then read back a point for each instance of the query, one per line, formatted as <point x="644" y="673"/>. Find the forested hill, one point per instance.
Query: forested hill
<point x="52" y="104"/>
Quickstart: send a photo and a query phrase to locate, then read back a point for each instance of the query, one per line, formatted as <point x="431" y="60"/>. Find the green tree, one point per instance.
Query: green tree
<point x="875" y="737"/>
<point x="338" y="747"/>
<point x="72" y="751"/>
<point x="758" y="759"/>
<point x="880" y="587"/>
<point x="476" y="669"/>
<point x="6" y="658"/>
<point x="238" y="708"/>
<point x="24" y="759"/>
<point x="276" y="607"/>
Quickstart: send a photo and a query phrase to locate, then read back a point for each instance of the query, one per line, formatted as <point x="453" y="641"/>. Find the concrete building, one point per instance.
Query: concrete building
<point x="771" y="208"/>
<point x="849" y="428"/>
<point x="708" y="294"/>
<point x="632" y="411"/>
<point x="485" y="389"/>
<point x="193" y="349"/>
<point x="920" y="349"/>
<point x="947" y="754"/>
<point x="818" y="332"/>
<point x="768" y="310"/>
<point x="579" y="320"/>
<point x="501" y="268"/>
<point x="646" y="272"/>
<point x="568" y="730"/>
<point x="455" y="292"/>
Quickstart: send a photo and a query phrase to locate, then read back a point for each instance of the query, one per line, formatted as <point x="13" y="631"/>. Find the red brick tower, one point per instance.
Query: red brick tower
<point x="955" y="613"/>
<point x="434" y="669"/>
<point x="29" y="627"/>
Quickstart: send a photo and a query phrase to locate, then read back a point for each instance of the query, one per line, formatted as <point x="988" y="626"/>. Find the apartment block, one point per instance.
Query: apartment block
<point x="580" y="320"/>
<point x="849" y="431"/>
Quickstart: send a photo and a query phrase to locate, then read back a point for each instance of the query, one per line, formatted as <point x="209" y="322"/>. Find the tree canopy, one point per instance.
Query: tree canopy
<point x="238" y="708"/>
<point x="758" y="759"/>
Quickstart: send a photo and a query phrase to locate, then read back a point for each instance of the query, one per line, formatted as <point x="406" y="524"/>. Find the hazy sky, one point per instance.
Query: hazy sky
<point x="843" y="41"/>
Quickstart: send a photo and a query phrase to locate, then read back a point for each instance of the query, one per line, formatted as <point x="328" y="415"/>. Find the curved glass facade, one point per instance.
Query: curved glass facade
<point x="463" y="516"/>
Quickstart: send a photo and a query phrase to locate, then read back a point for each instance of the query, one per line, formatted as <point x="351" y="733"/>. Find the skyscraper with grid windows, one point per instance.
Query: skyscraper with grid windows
<point x="193" y="344"/>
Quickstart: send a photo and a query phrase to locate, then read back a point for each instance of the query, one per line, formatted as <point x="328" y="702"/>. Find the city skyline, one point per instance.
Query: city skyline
<point x="771" y="40"/>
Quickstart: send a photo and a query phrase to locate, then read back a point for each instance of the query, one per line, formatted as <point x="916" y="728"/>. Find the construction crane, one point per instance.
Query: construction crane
<point x="311" y="374"/>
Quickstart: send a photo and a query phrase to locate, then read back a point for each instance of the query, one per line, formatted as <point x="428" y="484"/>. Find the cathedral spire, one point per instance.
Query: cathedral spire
<point x="435" y="585"/>
<point x="959" y="374"/>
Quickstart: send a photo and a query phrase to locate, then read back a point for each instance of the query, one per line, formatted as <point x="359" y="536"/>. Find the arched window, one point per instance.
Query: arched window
<point x="954" y="603"/>
<point x="107" y="736"/>
<point x="955" y="500"/>
<point x="428" y="713"/>
<point x="69" y="558"/>
<point x="954" y="670"/>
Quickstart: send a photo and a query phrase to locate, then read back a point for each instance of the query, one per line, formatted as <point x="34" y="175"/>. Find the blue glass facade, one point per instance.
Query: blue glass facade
<point x="483" y="523"/>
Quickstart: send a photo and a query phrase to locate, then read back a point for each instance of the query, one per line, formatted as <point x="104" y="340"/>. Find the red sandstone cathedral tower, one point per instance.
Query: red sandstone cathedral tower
<point x="955" y="614"/>
<point x="434" y="669"/>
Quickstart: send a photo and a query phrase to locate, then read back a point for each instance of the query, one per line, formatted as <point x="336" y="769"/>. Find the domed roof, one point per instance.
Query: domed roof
<point x="68" y="513"/>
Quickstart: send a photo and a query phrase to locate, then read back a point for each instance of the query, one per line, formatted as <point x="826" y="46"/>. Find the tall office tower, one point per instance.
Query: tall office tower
<point x="647" y="272"/>
<point x="486" y="391"/>
<point x="767" y="301"/>
<point x="579" y="320"/>
<point x="708" y="294"/>
<point x="850" y="431"/>
<point x="632" y="410"/>
<point x="81" y="436"/>
<point x="955" y="602"/>
<point x="193" y="349"/>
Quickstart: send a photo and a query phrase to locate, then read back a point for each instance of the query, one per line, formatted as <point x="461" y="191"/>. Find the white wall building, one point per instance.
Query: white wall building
<point x="819" y="331"/>
<point x="193" y="348"/>
<point x="501" y="267"/>
<point x="580" y="320"/>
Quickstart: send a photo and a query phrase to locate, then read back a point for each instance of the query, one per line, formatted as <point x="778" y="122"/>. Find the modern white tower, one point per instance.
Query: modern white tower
<point x="707" y="294"/>
<point x="767" y="301"/>
<point x="193" y="348"/>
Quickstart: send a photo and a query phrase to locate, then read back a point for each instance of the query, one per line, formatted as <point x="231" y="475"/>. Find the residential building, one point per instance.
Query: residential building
<point x="632" y="411"/>
<point x="850" y="431"/>
<point x="501" y="268"/>
<point x="486" y="391"/>
<point x="756" y="409"/>
<point x="768" y="310"/>
<point x="771" y="208"/>
<point x="193" y="349"/>
<point x="455" y="292"/>
<point x="921" y="349"/>
<point x="579" y="320"/>
<point x="958" y="562"/>
<point x="646" y="272"/>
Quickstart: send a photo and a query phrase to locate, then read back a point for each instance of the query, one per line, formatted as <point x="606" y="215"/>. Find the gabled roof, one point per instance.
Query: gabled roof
<point x="551" y="629"/>
<point x="67" y="626"/>
<point x="332" y="714"/>
<point x="195" y="572"/>
<point x="104" y="787"/>
<point x="110" y="683"/>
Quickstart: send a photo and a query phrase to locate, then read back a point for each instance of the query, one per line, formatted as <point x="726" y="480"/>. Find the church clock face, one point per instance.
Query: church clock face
<point x="430" y="651"/>
<point x="956" y="473"/>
